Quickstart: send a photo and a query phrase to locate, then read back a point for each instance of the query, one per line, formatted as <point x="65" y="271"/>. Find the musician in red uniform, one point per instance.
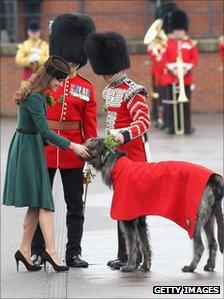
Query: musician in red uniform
<point x="221" y="47"/>
<point x="189" y="52"/>
<point x="71" y="113"/>
<point x="156" y="51"/>
<point x="125" y="102"/>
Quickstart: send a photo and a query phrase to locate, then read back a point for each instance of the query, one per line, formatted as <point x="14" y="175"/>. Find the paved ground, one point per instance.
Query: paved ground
<point x="171" y="245"/>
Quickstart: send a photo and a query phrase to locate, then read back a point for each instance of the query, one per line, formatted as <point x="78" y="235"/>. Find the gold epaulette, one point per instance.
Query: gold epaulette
<point x="78" y="74"/>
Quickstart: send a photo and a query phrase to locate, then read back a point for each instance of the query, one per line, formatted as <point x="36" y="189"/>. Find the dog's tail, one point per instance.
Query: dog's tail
<point x="217" y="184"/>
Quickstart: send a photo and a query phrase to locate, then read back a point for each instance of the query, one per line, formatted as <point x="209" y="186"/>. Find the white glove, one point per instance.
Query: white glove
<point x="172" y="66"/>
<point x="34" y="57"/>
<point x="188" y="66"/>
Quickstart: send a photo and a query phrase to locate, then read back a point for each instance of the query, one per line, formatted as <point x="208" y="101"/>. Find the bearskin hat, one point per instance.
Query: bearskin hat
<point x="34" y="26"/>
<point x="107" y="52"/>
<point x="179" y="20"/>
<point x="164" y="12"/>
<point x="67" y="36"/>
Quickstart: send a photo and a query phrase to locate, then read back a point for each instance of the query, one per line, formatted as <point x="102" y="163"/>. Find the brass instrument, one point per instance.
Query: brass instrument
<point x="156" y="36"/>
<point x="178" y="103"/>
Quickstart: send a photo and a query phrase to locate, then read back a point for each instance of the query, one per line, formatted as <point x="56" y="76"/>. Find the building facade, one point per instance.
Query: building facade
<point x="132" y="19"/>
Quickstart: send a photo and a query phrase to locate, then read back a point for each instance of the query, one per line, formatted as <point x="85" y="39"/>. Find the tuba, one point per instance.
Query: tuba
<point x="156" y="37"/>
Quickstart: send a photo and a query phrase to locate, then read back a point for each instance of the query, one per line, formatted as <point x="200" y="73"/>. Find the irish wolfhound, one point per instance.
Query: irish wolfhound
<point x="135" y="230"/>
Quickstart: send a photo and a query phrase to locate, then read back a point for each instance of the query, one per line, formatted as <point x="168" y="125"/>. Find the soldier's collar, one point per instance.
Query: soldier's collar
<point x="116" y="79"/>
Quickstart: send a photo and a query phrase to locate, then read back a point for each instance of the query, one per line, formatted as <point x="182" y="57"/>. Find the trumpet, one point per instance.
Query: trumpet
<point x="182" y="98"/>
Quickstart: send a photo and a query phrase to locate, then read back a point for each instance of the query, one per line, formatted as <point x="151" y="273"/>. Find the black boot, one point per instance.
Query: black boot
<point x="116" y="264"/>
<point x="76" y="262"/>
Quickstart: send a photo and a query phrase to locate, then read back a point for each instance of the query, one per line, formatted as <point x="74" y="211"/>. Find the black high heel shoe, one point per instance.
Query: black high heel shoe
<point x="47" y="258"/>
<point x="19" y="257"/>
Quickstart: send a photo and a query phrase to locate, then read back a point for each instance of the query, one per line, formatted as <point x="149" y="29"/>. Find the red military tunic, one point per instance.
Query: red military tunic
<point x="158" y="65"/>
<point x="73" y="101"/>
<point x="152" y="57"/>
<point x="171" y="189"/>
<point x="127" y="110"/>
<point x="189" y="55"/>
<point x="221" y="47"/>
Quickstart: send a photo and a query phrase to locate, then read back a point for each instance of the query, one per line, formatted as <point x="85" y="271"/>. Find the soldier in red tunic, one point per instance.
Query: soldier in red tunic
<point x="125" y="102"/>
<point x="179" y="27"/>
<point x="156" y="51"/>
<point x="221" y="46"/>
<point x="71" y="114"/>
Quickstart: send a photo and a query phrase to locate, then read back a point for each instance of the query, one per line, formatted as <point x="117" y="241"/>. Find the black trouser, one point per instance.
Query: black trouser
<point x="161" y="109"/>
<point x="154" y="113"/>
<point x="72" y="180"/>
<point x="169" y="121"/>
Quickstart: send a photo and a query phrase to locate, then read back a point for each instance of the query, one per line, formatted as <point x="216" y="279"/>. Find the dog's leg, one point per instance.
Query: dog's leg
<point x="129" y="231"/>
<point x="212" y="244"/>
<point x="198" y="251"/>
<point x="144" y="244"/>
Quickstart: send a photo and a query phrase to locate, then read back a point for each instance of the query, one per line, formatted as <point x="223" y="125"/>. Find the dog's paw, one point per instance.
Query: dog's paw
<point x="144" y="268"/>
<point x="209" y="268"/>
<point x="187" y="269"/>
<point x="127" y="269"/>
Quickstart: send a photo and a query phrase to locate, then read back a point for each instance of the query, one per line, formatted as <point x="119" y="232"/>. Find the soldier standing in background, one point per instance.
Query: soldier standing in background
<point x="179" y="44"/>
<point x="221" y="46"/>
<point x="156" y="50"/>
<point x="72" y="113"/>
<point x="164" y="12"/>
<point x="33" y="52"/>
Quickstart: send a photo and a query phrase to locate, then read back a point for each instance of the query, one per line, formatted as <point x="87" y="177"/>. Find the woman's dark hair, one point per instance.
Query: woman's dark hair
<point x="38" y="82"/>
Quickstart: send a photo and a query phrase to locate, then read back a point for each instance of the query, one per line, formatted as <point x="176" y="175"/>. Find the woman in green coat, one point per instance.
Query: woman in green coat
<point x="27" y="182"/>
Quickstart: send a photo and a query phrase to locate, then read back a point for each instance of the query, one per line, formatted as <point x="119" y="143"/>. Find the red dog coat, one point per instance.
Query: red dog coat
<point x="170" y="189"/>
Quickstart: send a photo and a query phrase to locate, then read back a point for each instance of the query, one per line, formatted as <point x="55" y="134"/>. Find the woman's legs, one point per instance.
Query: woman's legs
<point x="29" y="227"/>
<point x="46" y="221"/>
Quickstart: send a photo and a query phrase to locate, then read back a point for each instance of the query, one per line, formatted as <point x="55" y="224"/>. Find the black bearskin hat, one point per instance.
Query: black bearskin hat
<point x="107" y="52"/>
<point x="179" y="20"/>
<point x="164" y="12"/>
<point x="34" y="26"/>
<point x="67" y="36"/>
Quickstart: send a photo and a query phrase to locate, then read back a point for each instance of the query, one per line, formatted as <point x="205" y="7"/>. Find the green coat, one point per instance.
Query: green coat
<point x="27" y="182"/>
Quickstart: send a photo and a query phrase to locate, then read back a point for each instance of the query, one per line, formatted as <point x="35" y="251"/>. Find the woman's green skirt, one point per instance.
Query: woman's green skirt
<point x="27" y="182"/>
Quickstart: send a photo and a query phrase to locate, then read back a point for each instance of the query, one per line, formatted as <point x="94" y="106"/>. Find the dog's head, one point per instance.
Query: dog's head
<point x="97" y="150"/>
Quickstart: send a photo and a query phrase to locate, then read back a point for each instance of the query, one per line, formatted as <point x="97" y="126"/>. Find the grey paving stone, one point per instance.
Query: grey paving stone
<point x="99" y="239"/>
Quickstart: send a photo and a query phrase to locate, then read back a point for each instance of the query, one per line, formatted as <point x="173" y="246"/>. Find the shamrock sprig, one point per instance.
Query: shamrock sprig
<point x="110" y="143"/>
<point x="104" y="108"/>
<point x="61" y="99"/>
<point x="50" y="100"/>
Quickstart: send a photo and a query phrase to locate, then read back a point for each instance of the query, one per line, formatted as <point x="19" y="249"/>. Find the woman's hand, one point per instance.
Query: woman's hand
<point x="80" y="150"/>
